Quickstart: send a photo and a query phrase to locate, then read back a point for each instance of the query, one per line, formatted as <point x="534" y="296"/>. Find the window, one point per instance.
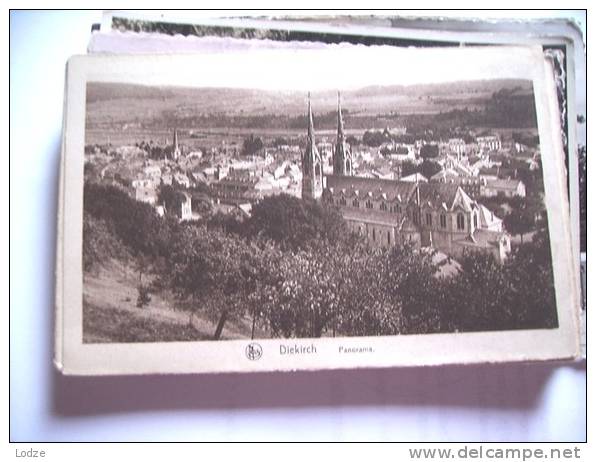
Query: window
<point x="416" y="217"/>
<point x="369" y="204"/>
<point x="388" y="238"/>
<point x="374" y="235"/>
<point x="429" y="219"/>
<point x="461" y="221"/>
<point x="355" y="203"/>
<point x="383" y="206"/>
<point x="443" y="220"/>
<point x="342" y="201"/>
<point x="475" y="221"/>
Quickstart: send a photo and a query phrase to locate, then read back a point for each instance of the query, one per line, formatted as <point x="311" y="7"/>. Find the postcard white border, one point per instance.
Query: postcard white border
<point x="74" y="357"/>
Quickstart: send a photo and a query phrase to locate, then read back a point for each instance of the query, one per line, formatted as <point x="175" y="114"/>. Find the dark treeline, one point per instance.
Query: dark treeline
<point x="293" y="270"/>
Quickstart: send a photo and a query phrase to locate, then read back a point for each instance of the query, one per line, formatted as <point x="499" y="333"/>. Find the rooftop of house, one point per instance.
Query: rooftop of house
<point x="509" y="184"/>
<point x="414" y="177"/>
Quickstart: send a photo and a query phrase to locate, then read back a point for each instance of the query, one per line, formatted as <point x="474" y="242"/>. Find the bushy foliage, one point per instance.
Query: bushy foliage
<point x="294" y="223"/>
<point x="135" y="223"/>
<point x="519" y="294"/>
<point x="294" y="270"/>
<point x="374" y="138"/>
<point x="171" y="198"/>
<point x="429" y="151"/>
<point x="251" y="145"/>
<point x="219" y="271"/>
<point x="99" y="243"/>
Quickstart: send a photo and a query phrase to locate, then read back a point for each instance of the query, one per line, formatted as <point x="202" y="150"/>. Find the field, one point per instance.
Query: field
<point x="110" y="313"/>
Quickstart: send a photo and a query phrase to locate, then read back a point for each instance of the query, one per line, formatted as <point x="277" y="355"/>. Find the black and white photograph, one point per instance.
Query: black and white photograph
<point x="271" y="212"/>
<point x="239" y="213"/>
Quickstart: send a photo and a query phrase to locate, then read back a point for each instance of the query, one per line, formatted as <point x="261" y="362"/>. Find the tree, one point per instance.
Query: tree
<point x="408" y="168"/>
<point x="302" y="304"/>
<point x="410" y="282"/>
<point x="135" y="224"/>
<point x="251" y="145"/>
<point x="352" y="140"/>
<point x="170" y="197"/>
<point x="520" y="221"/>
<point x="218" y="272"/>
<point x="201" y="204"/>
<point x="429" y="168"/>
<point x="330" y="288"/>
<point x="429" y="151"/>
<point x="295" y="223"/>
<point x="479" y="298"/>
<point x="99" y="243"/>
<point x="373" y="138"/>
<point x="529" y="268"/>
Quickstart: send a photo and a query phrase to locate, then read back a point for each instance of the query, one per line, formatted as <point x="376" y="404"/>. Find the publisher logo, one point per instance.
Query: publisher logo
<point x="254" y="351"/>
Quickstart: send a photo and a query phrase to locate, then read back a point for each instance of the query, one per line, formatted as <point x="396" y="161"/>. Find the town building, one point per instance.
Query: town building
<point x="457" y="146"/>
<point x="388" y="212"/>
<point x="145" y="193"/>
<point x="236" y="185"/>
<point x="184" y="212"/>
<point x="504" y="187"/>
<point x="414" y="178"/>
<point x="488" y="143"/>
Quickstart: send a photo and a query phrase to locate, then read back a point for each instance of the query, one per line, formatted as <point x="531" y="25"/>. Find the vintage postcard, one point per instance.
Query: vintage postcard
<point x="339" y="207"/>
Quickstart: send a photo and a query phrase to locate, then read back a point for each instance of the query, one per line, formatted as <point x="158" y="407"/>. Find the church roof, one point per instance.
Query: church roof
<point x="375" y="186"/>
<point x="487" y="218"/>
<point x="369" y="216"/>
<point x="463" y="201"/>
<point x="438" y="194"/>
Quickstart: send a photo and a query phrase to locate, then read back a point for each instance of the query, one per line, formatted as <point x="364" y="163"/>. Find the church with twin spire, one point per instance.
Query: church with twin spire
<point x="387" y="212"/>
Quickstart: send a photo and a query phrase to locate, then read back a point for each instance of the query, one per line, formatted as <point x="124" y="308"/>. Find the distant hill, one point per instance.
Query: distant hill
<point x="113" y="105"/>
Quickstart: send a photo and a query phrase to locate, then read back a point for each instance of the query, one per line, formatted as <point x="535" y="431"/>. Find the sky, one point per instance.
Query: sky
<point x="333" y="67"/>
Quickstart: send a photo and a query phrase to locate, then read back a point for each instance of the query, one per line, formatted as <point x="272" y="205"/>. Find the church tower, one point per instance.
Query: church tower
<point x="312" y="168"/>
<point x="175" y="148"/>
<point x="342" y="155"/>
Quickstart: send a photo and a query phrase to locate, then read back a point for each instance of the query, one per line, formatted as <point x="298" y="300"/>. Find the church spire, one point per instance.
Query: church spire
<point x="312" y="168"/>
<point x="311" y="128"/>
<point x="342" y="155"/>
<point x="340" y="120"/>
<point x="175" y="147"/>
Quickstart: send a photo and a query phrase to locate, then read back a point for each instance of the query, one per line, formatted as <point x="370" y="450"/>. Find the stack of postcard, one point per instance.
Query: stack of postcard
<point x="261" y="205"/>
